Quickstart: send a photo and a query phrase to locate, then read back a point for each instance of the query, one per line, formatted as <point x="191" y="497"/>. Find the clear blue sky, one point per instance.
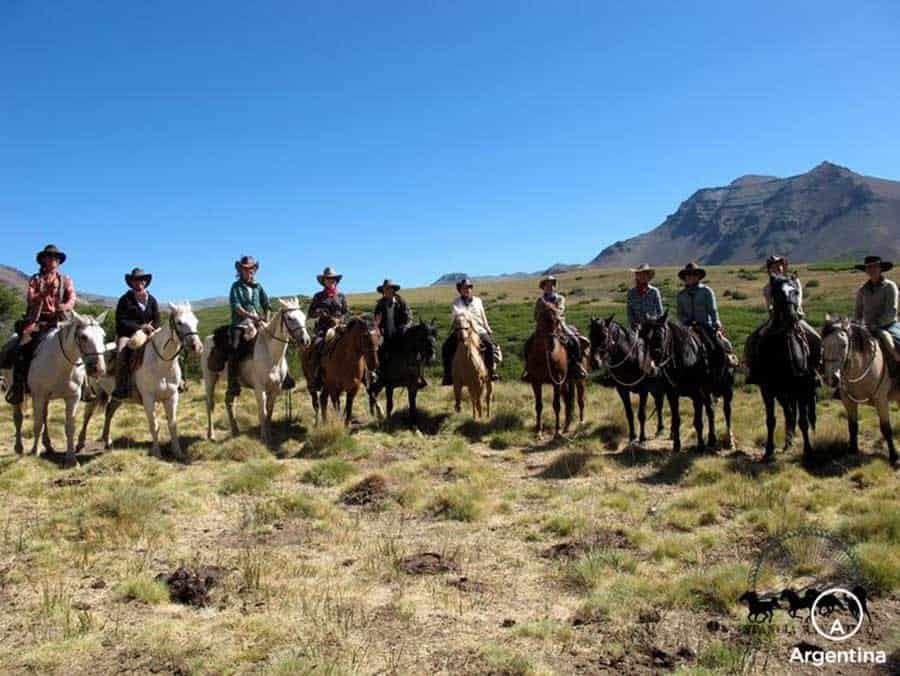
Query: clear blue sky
<point x="411" y="139"/>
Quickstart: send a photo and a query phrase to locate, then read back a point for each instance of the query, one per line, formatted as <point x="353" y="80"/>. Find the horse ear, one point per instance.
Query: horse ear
<point x="102" y="316"/>
<point x="280" y="302"/>
<point x="172" y="308"/>
<point x="828" y="318"/>
<point x="845" y="323"/>
<point x="610" y="318"/>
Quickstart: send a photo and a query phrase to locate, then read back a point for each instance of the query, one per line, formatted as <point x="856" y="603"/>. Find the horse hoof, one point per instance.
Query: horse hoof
<point x="729" y="443"/>
<point x="19" y="449"/>
<point x="155" y="453"/>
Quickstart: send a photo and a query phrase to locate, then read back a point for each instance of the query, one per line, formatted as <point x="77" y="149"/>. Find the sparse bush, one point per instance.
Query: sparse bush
<point x="251" y="477"/>
<point x="328" y="472"/>
<point x="461" y="502"/>
<point x="331" y="439"/>
<point x="143" y="588"/>
<point x="812" y="284"/>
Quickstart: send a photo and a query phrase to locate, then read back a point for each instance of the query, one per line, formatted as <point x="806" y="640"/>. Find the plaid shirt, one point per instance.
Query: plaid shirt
<point x="643" y="306"/>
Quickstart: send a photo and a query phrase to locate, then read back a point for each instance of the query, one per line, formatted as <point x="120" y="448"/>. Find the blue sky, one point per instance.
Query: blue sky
<point x="411" y="139"/>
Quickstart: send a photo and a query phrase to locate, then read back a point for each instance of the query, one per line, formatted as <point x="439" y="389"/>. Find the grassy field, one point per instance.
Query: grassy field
<point x="466" y="547"/>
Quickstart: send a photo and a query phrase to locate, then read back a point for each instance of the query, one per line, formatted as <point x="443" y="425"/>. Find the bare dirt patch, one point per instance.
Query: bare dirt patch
<point x="428" y="563"/>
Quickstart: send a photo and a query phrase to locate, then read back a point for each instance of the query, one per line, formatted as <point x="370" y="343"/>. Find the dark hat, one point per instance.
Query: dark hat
<point x="874" y="260"/>
<point x="465" y="281"/>
<point x="774" y="260"/>
<point x="691" y="269"/>
<point x="644" y="267"/>
<point x="248" y="262"/>
<point x="545" y="280"/>
<point x="50" y="250"/>
<point x="328" y="273"/>
<point x="386" y="283"/>
<point x="136" y="274"/>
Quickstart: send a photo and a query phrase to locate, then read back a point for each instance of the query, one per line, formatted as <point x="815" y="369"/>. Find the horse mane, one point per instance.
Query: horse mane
<point x="860" y="337"/>
<point x="685" y="346"/>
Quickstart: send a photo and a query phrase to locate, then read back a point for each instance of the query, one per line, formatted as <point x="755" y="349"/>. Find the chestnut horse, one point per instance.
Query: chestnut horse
<point x="344" y="365"/>
<point x="468" y="368"/>
<point x="547" y="363"/>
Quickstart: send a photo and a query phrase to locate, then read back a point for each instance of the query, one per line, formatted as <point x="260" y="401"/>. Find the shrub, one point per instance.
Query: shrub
<point x="143" y="588"/>
<point x="812" y="284"/>
<point x="328" y="472"/>
<point x="251" y="477"/>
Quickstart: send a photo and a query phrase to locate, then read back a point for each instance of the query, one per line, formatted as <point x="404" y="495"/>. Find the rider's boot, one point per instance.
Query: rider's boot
<point x="123" y="374"/>
<point x="16" y="393"/>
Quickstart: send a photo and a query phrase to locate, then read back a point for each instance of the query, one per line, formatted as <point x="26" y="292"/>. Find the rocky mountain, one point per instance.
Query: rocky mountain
<point x="453" y="277"/>
<point x="827" y="213"/>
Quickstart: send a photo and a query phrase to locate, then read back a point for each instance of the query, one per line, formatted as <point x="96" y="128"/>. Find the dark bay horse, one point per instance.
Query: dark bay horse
<point x="344" y="365"/>
<point x="785" y="372"/>
<point x="686" y="370"/>
<point x="547" y="363"/>
<point x="403" y="365"/>
<point x="624" y="354"/>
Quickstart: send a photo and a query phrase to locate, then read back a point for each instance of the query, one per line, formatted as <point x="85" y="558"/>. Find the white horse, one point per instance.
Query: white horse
<point x="264" y="371"/>
<point x="58" y="371"/>
<point x="156" y="380"/>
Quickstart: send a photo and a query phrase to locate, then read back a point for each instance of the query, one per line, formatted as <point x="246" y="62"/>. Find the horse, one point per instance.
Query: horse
<point x="680" y="359"/>
<point x="547" y="362"/>
<point x="759" y="609"/>
<point x="783" y="371"/>
<point x="264" y="371"/>
<point x="797" y="602"/>
<point x="156" y="379"/>
<point x="855" y="363"/>
<point x="403" y="367"/>
<point x="468" y="368"/>
<point x="344" y="366"/>
<point x="58" y="370"/>
<point x="624" y="353"/>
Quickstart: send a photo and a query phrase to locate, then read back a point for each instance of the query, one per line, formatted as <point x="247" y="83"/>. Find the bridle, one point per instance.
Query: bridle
<point x="176" y="337"/>
<point x="845" y="361"/>
<point x="82" y="354"/>
<point x="283" y="320"/>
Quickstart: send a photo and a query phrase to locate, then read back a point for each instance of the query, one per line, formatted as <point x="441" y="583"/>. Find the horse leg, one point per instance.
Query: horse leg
<point x="790" y="421"/>
<point x="457" y="396"/>
<point x="709" y="407"/>
<point x="769" y="402"/>
<point x="675" y="410"/>
<point x="229" y="409"/>
<point x="209" y="382"/>
<point x="39" y="411"/>
<point x="556" y="407"/>
<point x="45" y="435"/>
<point x="150" y="410"/>
<point x="803" y="414"/>
<point x="699" y="402"/>
<point x="389" y="400"/>
<point x="538" y="407"/>
<point x="475" y="398"/>
<point x="170" y="406"/>
<point x="727" y="396"/>
<point x="323" y="405"/>
<point x="82" y="435"/>
<point x="348" y="413"/>
<point x="625" y="396"/>
<point x="262" y="405"/>
<point x="852" y="410"/>
<point x="111" y="409"/>
<point x="580" y="402"/>
<point x="17" y="420"/>
<point x="489" y="394"/>
<point x="411" y="394"/>
<point x="884" y="419"/>
<point x="71" y="407"/>
<point x="568" y="392"/>
<point x="658" y="405"/>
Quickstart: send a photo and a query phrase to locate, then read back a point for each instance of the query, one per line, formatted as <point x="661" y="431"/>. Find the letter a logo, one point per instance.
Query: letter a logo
<point x="837" y="628"/>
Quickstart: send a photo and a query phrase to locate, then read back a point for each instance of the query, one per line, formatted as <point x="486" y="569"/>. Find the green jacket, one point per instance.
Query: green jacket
<point x="251" y="298"/>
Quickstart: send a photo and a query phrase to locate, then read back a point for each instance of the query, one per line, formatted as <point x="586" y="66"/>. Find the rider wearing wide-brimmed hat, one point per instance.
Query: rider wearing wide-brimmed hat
<point x="136" y="312"/>
<point x="329" y="308"/>
<point x="469" y="304"/>
<point x="49" y="298"/>
<point x="249" y="306"/>
<point x="696" y="305"/>
<point x="569" y="333"/>
<point x="876" y="301"/>
<point x="392" y="317"/>
<point x="643" y="300"/>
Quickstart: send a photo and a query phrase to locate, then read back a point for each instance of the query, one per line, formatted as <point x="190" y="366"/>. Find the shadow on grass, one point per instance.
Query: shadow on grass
<point x="833" y="458"/>
<point x="128" y="443"/>
<point x="427" y="423"/>
<point x="476" y="430"/>
<point x="610" y="434"/>
<point x="566" y="466"/>
<point x="552" y="444"/>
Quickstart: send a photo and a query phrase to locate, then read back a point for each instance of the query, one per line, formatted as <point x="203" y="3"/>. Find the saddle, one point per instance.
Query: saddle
<point x="891" y="353"/>
<point x="221" y="351"/>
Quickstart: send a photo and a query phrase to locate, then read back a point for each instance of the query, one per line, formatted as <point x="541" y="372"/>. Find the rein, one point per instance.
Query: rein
<point x="853" y="381"/>
<point x="80" y="360"/>
<point x="176" y="337"/>
<point x="629" y="354"/>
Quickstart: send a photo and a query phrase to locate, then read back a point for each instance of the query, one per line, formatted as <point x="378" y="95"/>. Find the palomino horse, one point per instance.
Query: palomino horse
<point x="468" y="369"/>
<point x="547" y="362"/>
<point x="855" y="363"/>
<point x="58" y="371"/>
<point x="264" y="371"/>
<point x="156" y="379"/>
<point x="403" y="367"/>
<point x="785" y="372"/>
<point x="625" y="354"/>
<point x="343" y="366"/>
<point x="681" y="360"/>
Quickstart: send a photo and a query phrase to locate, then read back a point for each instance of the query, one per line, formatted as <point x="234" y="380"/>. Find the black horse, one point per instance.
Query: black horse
<point x="785" y="371"/>
<point x="402" y="364"/>
<point x="687" y="369"/>
<point x="624" y="354"/>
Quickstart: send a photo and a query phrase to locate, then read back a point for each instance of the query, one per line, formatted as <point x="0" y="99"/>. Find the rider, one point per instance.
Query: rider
<point x="392" y="317"/>
<point x="876" y="301"/>
<point x="249" y="306"/>
<point x="474" y="308"/>
<point x="697" y="309"/>
<point x="569" y="333"/>
<point x="137" y="311"/>
<point x="50" y="298"/>
<point x="644" y="300"/>
<point x="778" y="266"/>
<point x="329" y="309"/>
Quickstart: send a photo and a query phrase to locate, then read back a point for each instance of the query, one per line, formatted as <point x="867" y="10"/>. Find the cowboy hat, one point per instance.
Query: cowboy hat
<point x="247" y="262"/>
<point x="545" y="280"/>
<point x="874" y="260"/>
<point x="644" y="267"/>
<point x="465" y="281"/>
<point x="774" y="260"/>
<point x="328" y="273"/>
<point x="691" y="269"/>
<point x="51" y="250"/>
<point x="136" y="274"/>
<point x="387" y="282"/>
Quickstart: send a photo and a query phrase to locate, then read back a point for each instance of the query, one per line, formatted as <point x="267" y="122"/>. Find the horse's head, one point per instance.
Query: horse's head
<point x="184" y="324"/>
<point x="90" y="339"/>
<point x="548" y="317"/>
<point x="655" y="332"/>
<point x="601" y="336"/>
<point x="785" y="297"/>
<point x="294" y="320"/>
<point x="367" y="337"/>
<point x="835" y="348"/>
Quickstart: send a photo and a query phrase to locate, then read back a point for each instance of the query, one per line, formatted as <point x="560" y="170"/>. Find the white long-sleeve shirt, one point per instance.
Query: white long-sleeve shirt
<point x="475" y="310"/>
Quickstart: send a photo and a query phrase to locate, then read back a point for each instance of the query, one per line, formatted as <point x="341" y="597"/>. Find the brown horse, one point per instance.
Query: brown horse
<point x="468" y="369"/>
<point x="547" y="363"/>
<point x="343" y="366"/>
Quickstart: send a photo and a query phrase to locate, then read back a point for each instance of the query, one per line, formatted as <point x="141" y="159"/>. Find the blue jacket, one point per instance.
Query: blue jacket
<point x="697" y="305"/>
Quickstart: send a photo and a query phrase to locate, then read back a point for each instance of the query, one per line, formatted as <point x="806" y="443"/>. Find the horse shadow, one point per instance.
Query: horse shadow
<point x="566" y="466"/>
<point x="476" y="430"/>
<point x="428" y="423"/>
<point x="833" y="458"/>
<point x="130" y="443"/>
<point x="609" y="434"/>
<point x="552" y="444"/>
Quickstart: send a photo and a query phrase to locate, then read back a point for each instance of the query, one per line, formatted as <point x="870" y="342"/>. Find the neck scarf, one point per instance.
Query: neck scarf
<point x="331" y="292"/>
